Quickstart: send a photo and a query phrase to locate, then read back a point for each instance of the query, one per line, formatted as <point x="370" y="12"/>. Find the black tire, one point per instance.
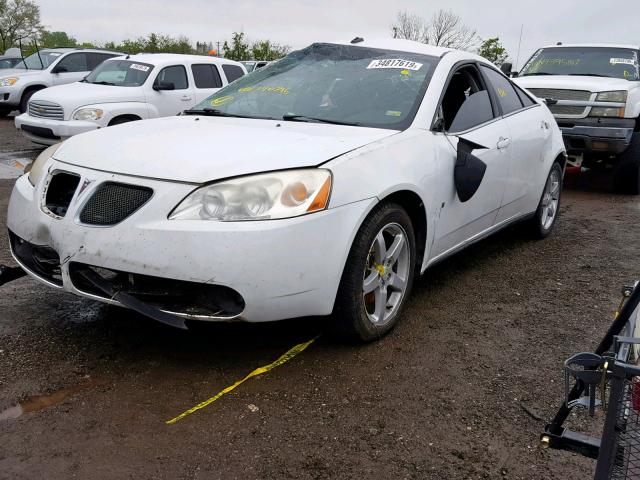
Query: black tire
<point x="350" y="318"/>
<point x="538" y="225"/>
<point x="626" y="174"/>
<point x="121" y="120"/>
<point x="4" y="112"/>
<point x="24" y="101"/>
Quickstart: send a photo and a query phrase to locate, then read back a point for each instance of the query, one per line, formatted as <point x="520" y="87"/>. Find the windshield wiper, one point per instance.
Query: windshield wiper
<point x="534" y="74"/>
<point x="214" y="112"/>
<point x="102" y="83"/>
<point x="290" y="117"/>
<point x="589" y="75"/>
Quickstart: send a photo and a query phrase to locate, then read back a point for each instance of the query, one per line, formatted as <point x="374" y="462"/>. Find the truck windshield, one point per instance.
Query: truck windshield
<point x="327" y="83"/>
<point x="32" y="62"/>
<point x="585" y="61"/>
<point x="120" y="73"/>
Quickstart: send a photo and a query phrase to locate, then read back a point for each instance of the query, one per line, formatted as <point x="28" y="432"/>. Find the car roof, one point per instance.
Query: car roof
<point x="79" y="49"/>
<point x="595" y="45"/>
<point x="397" y="44"/>
<point x="167" y="58"/>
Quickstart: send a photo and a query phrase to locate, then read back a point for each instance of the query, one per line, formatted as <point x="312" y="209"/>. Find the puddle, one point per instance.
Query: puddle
<point x="41" y="402"/>
<point x="12" y="163"/>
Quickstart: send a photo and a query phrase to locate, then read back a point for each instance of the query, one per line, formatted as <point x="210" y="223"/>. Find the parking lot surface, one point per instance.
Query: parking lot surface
<point x="461" y="389"/>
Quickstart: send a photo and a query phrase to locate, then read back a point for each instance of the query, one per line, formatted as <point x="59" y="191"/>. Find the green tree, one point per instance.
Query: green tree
<point x="238" y="50"/>
<point x="267" y="50"/>
<point x="19" y="19"/>
<point x="56" y="39"/>
<point x="492" y="50"/>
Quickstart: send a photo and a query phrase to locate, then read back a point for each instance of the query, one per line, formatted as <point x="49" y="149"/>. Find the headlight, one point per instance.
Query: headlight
<point x="617" y="96"/>
<point x="88" y="114"/>
<point x="607" y="112"/>
<point x="258" y="197"/>
<point x="9" y="81"/>
<point x="37" y="168"/>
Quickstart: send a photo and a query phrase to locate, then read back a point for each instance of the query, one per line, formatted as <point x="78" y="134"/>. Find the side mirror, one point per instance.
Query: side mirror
<point x="159" y="85"/>
<point x="468" y="171"/>
<point x="59" y="69"/>
<point x="506" y="68"/>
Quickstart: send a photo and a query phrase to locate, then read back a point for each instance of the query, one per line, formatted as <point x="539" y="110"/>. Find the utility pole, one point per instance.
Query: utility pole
<point x="218" y="49"/>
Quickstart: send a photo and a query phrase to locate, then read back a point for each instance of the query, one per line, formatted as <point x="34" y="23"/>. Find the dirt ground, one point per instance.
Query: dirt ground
<point x="460" y="390"/>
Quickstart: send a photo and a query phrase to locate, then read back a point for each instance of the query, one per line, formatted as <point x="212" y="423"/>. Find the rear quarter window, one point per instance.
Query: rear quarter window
<point x="504" y="90"/>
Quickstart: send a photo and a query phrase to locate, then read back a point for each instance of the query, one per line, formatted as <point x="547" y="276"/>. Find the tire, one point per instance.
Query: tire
<point x="626" y="175"/>
<point x="541" y="225"/>
<point x="24" y="101"/>
<point x="4" y="112"/>
<point x="121" y="120"/>
<point x="362" y="317"/>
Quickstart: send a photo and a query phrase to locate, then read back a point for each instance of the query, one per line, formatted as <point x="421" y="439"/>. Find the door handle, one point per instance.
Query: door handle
<point x="186" y="98"/>
<point x="503" y="143"/>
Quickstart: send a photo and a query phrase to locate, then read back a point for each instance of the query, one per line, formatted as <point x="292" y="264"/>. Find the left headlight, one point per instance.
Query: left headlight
<point x="88" y="114"/>
<point x="36" y="169"/>
<point x="264" y="196"/>
<point x="9" y="81"/>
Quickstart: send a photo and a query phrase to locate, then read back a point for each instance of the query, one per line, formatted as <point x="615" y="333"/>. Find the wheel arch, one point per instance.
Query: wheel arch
<point x="130" y="117"/>
<point x="32" y="88"/>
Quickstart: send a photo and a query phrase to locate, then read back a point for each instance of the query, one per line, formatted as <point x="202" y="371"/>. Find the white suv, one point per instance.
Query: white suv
<point x="46" y="68"/>
<point x="125" y="89"/>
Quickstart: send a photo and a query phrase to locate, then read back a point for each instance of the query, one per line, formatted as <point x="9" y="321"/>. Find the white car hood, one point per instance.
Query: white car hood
<point x="198" y="149"/>
<point x="78" y="94"/>
<point x="592" y="84"/>
<point x="19" y="72"/>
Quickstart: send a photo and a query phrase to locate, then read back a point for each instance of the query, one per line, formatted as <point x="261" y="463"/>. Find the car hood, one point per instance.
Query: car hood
<point x="592" y="84"/>
<point x="198" y="149"/>
<point x="79" y="94"/>
<point x="19" y="72"/>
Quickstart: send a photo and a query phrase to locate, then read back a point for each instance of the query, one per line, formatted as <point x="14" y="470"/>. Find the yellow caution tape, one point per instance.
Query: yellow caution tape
<point x="258" y="371"/>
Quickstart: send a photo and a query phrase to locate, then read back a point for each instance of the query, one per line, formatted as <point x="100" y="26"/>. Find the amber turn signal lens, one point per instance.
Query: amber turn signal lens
<point x="322" y="198"/>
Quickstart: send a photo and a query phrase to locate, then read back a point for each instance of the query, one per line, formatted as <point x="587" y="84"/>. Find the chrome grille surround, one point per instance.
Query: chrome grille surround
<point x="43" y="109"/>
<point x="565" y="94"/>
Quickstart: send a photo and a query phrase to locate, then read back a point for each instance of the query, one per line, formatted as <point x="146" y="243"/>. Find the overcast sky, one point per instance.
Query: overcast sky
<point x="300" y="22"/>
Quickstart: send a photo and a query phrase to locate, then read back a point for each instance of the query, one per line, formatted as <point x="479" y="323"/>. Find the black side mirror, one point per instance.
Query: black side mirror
<point x="160" y="85"/>
<point x="59" y="69"/>
<point x="506" y="68"/>
<point x="468" y="171"/>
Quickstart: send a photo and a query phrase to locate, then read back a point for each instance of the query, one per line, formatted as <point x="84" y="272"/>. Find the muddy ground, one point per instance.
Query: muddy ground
<point x="460" y="390"/>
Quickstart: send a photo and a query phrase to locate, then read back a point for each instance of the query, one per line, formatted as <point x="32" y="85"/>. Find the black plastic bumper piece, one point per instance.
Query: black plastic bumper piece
<point x="9" y="274"/>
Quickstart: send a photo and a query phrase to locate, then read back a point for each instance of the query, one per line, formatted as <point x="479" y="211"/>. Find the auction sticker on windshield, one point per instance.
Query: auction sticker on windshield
<point x="142" y="68"/>
<point x="622" y="61"/>
<point x="395" y="63"/>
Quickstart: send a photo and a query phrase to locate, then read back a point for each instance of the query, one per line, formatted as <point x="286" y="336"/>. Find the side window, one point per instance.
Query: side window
<point x="175" y="74"/>
<point x="466" y="102"/>
<point x="74" y="62"/>
<point x="95" y="59"/>
<point x="206" y="76"/>
<point x="232" y="72"/>
<point x="506" y="94"/>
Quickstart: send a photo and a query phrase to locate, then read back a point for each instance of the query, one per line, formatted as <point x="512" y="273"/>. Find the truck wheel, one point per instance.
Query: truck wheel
<point x="626" y="175"/>
<point x="542" y="223"/>
<point x="378" y="276"/>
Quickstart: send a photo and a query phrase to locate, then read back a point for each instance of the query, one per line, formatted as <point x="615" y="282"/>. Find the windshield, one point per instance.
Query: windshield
<point x="587" y="61"/>
<point x="32" y="62"/>
<point x="333" y="84"/>
<point x="120" y="73"/>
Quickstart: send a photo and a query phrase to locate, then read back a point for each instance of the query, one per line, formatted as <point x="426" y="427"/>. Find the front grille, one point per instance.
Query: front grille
<point x="566" y="110"/>
<point x="59" y="192"/>
<point x="40" y="260"/>
<point x="564" y="94"/>
<point x="42" y="109"/>
<point x="190" y="299"/>
<point x="112" y="202"/>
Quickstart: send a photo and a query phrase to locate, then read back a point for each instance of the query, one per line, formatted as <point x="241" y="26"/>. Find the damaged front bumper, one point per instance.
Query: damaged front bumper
<point x="202" y="270"/>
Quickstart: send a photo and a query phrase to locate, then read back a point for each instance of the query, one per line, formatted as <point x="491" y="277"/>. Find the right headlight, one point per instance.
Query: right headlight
<point x="9" y="81"/>
<point x="264" y="196"/>
<point x="36" y="168"/>
<point x="88" y="114"/>
<point x="618" y="96"/>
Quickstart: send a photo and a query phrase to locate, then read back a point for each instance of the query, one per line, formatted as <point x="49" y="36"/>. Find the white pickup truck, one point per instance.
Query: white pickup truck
<point x="593" y="90"/>
<point x="125" y="89"/>
<point x="46" y="68"/>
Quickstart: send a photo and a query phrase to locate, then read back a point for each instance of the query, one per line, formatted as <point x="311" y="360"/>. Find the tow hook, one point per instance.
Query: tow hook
<point x="8" y="274"/>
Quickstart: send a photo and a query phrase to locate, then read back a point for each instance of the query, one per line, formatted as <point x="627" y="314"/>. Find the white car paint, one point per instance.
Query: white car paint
<point x="141" y="102"/>
<point x="289" y="267"/>
<point x="28" y="80"/>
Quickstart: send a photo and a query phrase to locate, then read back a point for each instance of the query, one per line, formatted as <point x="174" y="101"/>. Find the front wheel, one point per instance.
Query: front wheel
<point x="543" y="221"/>
<point x="626" y="174"/>
<point x="378" y="275"/>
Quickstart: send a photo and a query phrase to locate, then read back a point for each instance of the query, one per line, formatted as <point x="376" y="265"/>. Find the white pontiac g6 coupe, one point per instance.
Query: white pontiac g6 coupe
<point x="318" y="185"/>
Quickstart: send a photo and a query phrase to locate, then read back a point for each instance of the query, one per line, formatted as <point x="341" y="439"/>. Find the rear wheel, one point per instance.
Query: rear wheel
<point x="626" y="175"/>
<point x="542" y="223"/>
<point x="378" y="275"/>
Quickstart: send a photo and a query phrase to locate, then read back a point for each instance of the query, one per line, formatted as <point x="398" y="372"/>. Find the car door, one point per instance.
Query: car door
<point x="179" y="98"/>
<point x="71" y="68"/>
<point x="530" y="134"/>
<point x="467" y="112"/>
<point x="206" y="80"/>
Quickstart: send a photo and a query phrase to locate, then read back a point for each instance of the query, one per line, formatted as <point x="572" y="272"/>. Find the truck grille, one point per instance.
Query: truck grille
<point x="112" y="202"/>
<point x="49" y="110"/>
<point x="562" y="94"/>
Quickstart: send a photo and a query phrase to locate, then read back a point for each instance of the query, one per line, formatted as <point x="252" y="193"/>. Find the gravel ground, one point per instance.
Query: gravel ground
<point x="460" y="390"/>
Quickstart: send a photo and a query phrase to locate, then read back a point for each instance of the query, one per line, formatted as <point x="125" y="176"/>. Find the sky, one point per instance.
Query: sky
<point x="298" y="23"/>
